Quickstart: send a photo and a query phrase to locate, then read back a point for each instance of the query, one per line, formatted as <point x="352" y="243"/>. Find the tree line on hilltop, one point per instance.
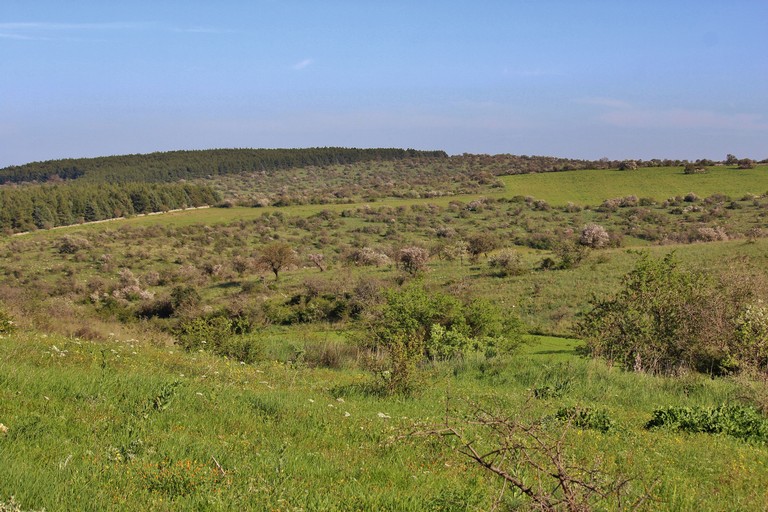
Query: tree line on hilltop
<point x="184" y="165"/>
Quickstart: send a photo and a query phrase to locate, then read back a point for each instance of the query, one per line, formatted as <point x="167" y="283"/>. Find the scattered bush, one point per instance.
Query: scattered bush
<point x="594" y="236"/>
<point x="367" y="256"/>
<point x="586" y="418"/>
<point x="413" y="259"/>
<point x="71" y="244"/>
<point x="414" y="324"/>
<point x="739" y="421"/>
<point x="7" y="326"/>
<point x="693" y="168"/>
<point x="481" y="243"/>
<point x="129" y="288"/>
<point x="219" y="334"/>
<point x="628" y="165"/>
<point x="711" y="234"/>
<point x="507" y="262"/>
<point x="666" y="318"/>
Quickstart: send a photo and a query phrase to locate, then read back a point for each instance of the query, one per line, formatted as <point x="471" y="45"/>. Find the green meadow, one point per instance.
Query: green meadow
<point x="156" y="363"/>
<point x="594" y="186"/>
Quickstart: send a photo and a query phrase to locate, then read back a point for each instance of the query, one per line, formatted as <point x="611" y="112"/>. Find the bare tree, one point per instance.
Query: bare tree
<point x="318" y="260"/>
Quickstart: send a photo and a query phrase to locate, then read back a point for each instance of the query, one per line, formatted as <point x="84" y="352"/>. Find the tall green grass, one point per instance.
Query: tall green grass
<point x="129" y="426"/>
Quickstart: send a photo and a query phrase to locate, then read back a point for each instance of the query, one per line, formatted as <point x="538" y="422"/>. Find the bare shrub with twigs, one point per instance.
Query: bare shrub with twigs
<point x="532" y="457"/>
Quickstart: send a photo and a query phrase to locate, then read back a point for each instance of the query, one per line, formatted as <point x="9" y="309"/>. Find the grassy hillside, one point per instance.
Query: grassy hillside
<point x="102" y="407"/>
<point x="594" y="186"/>
<point x="125" y="425"/>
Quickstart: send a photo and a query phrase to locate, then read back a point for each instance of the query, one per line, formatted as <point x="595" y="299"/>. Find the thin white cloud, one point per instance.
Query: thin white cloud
<point x="48" y="26"/>
<point x="537" y="72"/>
<point x="50" y="31"/>
<point x="605" y="102"/>
<point x="531" y="73"/>
<point x="626" y="115"/>
<point x="20" y="37"/>
<point x="682" y="118"/>
<point x="302" y="64"/>
<point x="202" y="30"/>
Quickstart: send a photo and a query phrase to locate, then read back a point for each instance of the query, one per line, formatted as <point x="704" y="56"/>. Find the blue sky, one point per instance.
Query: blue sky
<point x="582" y="79"/>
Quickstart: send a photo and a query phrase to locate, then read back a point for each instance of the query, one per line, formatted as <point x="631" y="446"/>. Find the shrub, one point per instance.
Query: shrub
<point x="203" y="332"/>
<point x="711" y="234"/>
<point x="367" y="256"/>
<point x="414" y="324"/>
<point x="690" y="197"/>
<point x="652" y="323"/>
<point x="413" y="259"/>
<point x="739" y="421"/>
<point x="752" y="335"/>
<point x="71" y="244"/>
<point x="220" y="335"/>
<point x="665" y="318"/>
<point x="481" y="243"/>
<point x="185" y="297"/>
<point x="746" y="163"/>
<point x="594" y="236"/>
<point x="507" y="262"/>
<point x="570" y="253"/>
<point x="586" y="418"/>
<point x="7" y="325"/>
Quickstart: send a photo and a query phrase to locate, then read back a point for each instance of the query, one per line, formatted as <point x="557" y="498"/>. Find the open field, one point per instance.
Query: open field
<point x="593" y="187"/>
<point x="106" y="409"/>
<point x="120" y="424"/>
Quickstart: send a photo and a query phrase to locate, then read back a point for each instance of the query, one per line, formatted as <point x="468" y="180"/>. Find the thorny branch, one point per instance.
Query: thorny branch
<point x="534" y="461"/>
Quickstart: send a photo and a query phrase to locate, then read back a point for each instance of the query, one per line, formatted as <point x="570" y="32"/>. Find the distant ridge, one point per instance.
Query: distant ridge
<point x="174" y="166"/>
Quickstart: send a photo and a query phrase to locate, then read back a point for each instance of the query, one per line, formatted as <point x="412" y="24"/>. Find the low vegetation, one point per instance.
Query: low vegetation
<point x="410" y="351"/>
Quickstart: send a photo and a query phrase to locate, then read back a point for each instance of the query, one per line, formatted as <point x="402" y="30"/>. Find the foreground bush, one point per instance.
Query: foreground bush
<point x="415" y="324"/>
<point x="666" y="318"/>
<point x="221" y="335"/>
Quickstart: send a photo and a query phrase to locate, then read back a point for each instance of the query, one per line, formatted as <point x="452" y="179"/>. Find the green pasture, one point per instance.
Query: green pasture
<point x="594" y="186"/>
<point x="131" y="426"/>
<point x="104" y="412"/>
